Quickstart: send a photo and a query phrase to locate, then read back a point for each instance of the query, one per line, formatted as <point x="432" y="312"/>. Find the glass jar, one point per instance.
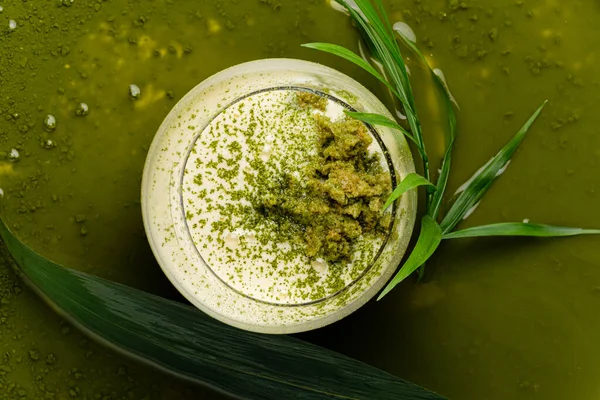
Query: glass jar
<point x="242" y="295"/>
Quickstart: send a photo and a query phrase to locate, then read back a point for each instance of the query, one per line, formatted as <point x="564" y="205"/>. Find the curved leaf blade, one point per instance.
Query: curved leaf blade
<point x="380" y="120"/>
<point x="442" y="182"/>
<point x="384" y="16"/>
<point x="346" y="54"/>
<point x="482" y="181"/>
<point x="429" y="240"/>
<point x="520" y="229"/>
<point x="385" y="49"/>
<point x="411" y="181"/>
<point x="183" y="341"/>
<point x="433" y="208"/>
<point x="378" y="29"/>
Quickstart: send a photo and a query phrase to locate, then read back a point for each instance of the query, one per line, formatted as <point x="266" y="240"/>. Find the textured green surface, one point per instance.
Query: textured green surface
<point x="496" y="319"/>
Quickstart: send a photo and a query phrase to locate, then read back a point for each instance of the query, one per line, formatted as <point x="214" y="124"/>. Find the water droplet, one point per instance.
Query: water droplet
<point x="361" y="50"/>
<point x="82" y="110"/>
<point x="319" y="265"/>
<point x="471" y="210"/>
<point x="405" y="31"/>
<point x="400" y="115"/>
<point x="284" y="296"/>
<point x="440" y="74"/>
<point x="503" y="169"/>
<point x="134" y="91"/>
<point x="1" y="9"/>
<point x="266" y="152"/>
<point x="1" y="191"/>
<point x="14" y="154"/>
<point x="50" y="123"/>
<point x="12" y="24"/>
<point x="464" y="186"/>
<point x="338" y="7"/>
<point x="232" y="240"/>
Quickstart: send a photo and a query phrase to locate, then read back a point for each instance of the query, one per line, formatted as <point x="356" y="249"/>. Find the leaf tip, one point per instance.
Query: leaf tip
<point x="387" y="205"/>
<point x="390" y="286"/>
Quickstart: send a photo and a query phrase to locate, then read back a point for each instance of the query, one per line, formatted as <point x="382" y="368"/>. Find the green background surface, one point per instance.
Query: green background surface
<point x="495" y="319"/>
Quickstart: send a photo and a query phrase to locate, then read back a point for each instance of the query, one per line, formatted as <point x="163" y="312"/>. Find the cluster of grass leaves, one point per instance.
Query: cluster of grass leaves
<point x="383" y="43"/>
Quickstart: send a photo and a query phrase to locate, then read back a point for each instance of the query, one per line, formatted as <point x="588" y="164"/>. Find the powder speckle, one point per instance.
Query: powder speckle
<point x="283" y="200"/>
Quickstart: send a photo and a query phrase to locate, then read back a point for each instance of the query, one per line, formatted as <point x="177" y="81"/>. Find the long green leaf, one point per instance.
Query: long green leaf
<point x="385" y="48"/>
<point x="413" y="46"/>
<point x="437" y="198"/>
<point x="380" y="120"/>
<point x="442" y="182"/>
<point x="410" y="182"/>
<point x="483" y="180"/>
<point x="429" y="240"/>
<point x="434" y="206"/>
<point x="381" y="34"/>
<point x="350" y="56"/>
<point x="183" y="341"/>
<point x="384" y="17"/>
<point x="519" y="229"/>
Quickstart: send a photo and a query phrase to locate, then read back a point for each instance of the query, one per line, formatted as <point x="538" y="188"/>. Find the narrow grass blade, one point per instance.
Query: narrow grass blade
<point x="437" y="74"/>
<point x="485" y="178"/>
<point x="428" y="242"/>
<point x="381" y="26"/>
<point x="410" y="43"/>
<point x="410" y="182"/>
<point x="346" y="54"/>
<point x="384" y="16"/>
<point x="519" y="229"/>
<point x="442" y="182"/>
<point x="380" y="120"/>
<point x="441" y="80"/>
<point x="185" y="342"/>
<point x="385" y="49"/>
<point x="433" y="208"/>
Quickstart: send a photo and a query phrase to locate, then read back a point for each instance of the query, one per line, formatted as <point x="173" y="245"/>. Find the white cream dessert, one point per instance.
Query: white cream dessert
<point x="259" y="152"/>
<point x="263" y="201"/>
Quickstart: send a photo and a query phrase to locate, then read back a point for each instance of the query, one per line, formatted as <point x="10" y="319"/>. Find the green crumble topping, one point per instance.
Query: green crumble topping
<point x="339" y="195"/>
<point x="311" y="100"/>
